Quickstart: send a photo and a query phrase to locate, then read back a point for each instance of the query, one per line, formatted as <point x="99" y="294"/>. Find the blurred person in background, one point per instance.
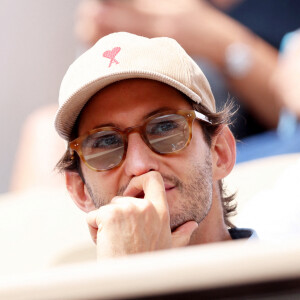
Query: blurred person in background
<point x="285" y="84"/>
<point x="280" y="196"/>
<point x="38" y="151"/>
<point x="214" y="31"/>
<point x="286" y="78"/>
<point x="147" y="150"/>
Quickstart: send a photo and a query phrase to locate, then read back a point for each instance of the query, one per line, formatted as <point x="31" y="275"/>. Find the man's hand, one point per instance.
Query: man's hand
<point x="129" y="224"/>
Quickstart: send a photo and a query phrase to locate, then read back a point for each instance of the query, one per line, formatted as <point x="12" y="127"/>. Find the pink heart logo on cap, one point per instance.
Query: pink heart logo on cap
<point x="111" y="54"/>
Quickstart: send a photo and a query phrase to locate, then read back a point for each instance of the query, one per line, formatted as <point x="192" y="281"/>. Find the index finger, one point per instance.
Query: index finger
<point x="152" y="185"/>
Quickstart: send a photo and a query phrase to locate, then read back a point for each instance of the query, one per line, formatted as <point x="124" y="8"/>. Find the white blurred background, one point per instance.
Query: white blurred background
<point x="37" y="45"/>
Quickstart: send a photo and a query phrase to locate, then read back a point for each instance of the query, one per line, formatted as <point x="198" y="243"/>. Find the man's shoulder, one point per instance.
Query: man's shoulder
<point x="242" y="233"/>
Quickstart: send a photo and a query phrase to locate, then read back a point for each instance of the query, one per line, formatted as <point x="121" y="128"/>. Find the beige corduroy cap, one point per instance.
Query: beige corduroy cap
<point x="120" y="56"/>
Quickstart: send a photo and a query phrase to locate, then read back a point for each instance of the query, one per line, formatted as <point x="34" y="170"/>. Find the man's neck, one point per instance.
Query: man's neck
<point x="213" y="228"/>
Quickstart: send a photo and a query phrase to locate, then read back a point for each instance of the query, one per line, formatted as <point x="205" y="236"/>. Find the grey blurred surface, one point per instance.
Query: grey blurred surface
<point x="37" y="45"/>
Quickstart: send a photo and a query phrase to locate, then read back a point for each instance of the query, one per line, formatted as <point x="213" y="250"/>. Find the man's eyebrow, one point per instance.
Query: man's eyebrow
<point x="105" y="125"/>
<point x="161" y="109"/>
<point x="156" y="111"/>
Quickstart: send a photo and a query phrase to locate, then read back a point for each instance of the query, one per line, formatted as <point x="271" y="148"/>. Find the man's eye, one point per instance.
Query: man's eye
<point x="163" y="127"/>
<point x="107" y="141"/>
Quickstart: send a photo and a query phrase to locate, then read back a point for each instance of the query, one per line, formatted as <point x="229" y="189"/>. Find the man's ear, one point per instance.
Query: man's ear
<point x="223" y="150"/>
<point x="78" y="192"/>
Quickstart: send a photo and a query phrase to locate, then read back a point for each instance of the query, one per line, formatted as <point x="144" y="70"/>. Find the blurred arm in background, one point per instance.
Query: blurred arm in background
<point x="246" y="61"/>
<point x="38" y="152"/>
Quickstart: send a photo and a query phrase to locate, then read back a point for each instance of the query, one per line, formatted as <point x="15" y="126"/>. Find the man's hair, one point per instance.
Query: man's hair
<point x="223" y="117"/>
<point x="71" y="162"/>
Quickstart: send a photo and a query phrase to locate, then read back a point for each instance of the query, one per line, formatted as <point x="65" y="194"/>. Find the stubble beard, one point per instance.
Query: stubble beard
<point x="195" y="193"/>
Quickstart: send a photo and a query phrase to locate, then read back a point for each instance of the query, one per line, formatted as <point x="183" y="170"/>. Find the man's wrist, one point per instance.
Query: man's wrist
<point x="238" y="60"/>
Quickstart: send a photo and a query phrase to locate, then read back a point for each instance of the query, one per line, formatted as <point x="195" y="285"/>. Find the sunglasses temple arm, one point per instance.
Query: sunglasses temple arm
<point x="202" y="117"/>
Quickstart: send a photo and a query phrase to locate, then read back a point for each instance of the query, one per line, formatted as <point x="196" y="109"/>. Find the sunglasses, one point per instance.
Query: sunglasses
<point x="167" y="132"/>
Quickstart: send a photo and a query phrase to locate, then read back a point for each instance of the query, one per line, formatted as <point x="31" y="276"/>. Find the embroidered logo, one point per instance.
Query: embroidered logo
<point x="111" y="54"/>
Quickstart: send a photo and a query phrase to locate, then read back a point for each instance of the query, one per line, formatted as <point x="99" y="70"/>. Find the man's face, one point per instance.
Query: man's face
<point x="187" y="174"/>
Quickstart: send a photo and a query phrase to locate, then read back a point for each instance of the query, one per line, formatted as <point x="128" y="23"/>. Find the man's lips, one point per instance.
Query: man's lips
<point x="169" y="187"/>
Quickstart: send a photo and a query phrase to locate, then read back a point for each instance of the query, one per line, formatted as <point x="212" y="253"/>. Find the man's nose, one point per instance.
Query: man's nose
<point x="140" y="159"/>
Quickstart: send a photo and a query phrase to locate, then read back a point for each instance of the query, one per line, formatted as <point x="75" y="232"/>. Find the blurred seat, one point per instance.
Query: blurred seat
<point x="268" y="196"/>
<point x="40" y="228"/>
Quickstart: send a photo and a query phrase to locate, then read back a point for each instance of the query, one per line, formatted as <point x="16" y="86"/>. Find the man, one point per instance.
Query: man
<point x="146" y="150"/>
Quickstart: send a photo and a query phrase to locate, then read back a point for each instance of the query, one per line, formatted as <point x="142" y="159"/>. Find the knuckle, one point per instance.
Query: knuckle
<point x="115" y="199"/>
<point x="108" y="214"/>
<point x="147" y="208"/>
<point x="129" y="209"/>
